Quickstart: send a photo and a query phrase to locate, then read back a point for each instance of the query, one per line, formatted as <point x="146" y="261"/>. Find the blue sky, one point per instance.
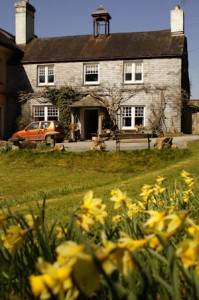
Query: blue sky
<point x="73" y="17"/>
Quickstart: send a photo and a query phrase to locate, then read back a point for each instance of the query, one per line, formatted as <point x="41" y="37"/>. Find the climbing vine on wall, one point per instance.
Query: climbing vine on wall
<point x="63" y="97"/>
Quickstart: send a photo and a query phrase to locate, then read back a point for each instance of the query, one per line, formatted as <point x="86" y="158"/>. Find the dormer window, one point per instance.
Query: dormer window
<point x="133" y="72"/>
<point x="91" y="73"/>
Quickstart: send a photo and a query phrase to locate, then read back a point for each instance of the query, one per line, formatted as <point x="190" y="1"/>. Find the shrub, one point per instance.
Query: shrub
<point x="148" y="250"/>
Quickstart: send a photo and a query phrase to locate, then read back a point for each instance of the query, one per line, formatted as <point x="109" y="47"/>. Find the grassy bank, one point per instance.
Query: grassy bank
<point x="28" y="176"/>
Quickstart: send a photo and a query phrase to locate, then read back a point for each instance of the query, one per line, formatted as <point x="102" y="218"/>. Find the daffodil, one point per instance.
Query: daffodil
<point x="2" y="219"/>
<point x="60" y="232"/>
<point x="186" y="195"/>
<point x="127" y="242"/>
<point x="189" y="181"/>
<point x="160" y="179"/>
<point x="154" y="241"/>
<point x="31" y="220"/>
<point x="116" y="219"/>
<point x="176" y="220"/>
<point x="107" y="255"/>
<point x="128" y="264"/>
<point x="13" y="238"/>
<point x="133" y="209"/>
<point x="56" y="277"/>
<point x="68" y="250"/>
<point x="39" y="284"/>
<point x="187" y="251"/>
<point x="157" y="189"/>
<point x="193" y="230"/>
<point x="94" y="207"/>
<point x="185" y="174"/>
<point x="85" y="221"/>
<point x="147" y="191"/>
<point x="120" y="198"/>
<point x="156" y="221"/>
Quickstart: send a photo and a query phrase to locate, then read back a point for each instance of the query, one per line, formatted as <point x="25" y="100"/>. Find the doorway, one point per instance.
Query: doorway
<point x="90" y="123"/>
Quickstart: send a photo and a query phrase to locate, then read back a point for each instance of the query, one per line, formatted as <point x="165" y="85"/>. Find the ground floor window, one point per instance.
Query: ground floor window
<point x="44" y="113"/>
<point x="132" y="116"/>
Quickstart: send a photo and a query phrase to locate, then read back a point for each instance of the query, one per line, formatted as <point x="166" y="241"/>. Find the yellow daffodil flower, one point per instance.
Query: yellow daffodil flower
<point x="31" y="220"/>
<point x="116" y="219"/>
<point x="2" y="219"/>
<point x="68" y="250"/>
<point x="185" y="174"/>
<point x="160" y="179"/>
<point x="128" y="265"/>
<point x="120" y="198"/>
<point x="94" y="207"/>
<point x="13" y="238"/>
<point x="187" y="251"/>
<point x="177" y="219"/>
<point x="156" y="221"/>
<point x="127" y="242"/>
<point x="85" y="221"/>
<point x="133" y="209"/>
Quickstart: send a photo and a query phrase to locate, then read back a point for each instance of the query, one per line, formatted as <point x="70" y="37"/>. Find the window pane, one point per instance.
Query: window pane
<point x="91" y="77"/>
<point x="128" y="72"/>
<point x="52" y="111"/>
<point x="38" y="113"/>
<point x="139" y="115"/>
<point x="127" y="116"/>
<point x="91" y="73"/>
<point x="50" y="74"/>
<point x="128" y="77"/>
<point x="138" y="72"/>
<point x="127" y="122"/>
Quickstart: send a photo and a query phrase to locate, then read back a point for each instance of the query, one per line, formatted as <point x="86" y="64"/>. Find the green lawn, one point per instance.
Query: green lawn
<point x="28" y="176"/>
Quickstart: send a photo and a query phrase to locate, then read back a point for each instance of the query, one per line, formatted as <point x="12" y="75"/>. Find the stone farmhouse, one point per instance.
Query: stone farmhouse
<point x="140" y="79"/>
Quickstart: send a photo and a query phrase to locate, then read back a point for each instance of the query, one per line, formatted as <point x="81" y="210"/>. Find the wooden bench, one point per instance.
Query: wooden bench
<point x="132" y="138"/>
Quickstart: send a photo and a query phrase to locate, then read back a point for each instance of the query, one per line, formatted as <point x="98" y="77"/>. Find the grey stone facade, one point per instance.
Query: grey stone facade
<point x="161" y="78"/>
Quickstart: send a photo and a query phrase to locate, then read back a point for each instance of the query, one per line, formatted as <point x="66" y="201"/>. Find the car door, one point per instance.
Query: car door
<point x="44" y="127"/>
<point x="32" y="131"/>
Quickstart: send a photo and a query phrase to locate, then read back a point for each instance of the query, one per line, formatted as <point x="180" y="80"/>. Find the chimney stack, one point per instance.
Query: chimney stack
<point x="177" y="21"/>
<point x="24" y="22"/>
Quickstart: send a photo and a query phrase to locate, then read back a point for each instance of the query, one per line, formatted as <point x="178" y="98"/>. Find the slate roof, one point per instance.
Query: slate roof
<point x="133" y="45"/>
<point x="7" y="40"/>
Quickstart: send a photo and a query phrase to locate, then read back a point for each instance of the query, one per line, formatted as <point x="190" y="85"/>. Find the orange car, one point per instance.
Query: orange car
<point x="41" y="131"/>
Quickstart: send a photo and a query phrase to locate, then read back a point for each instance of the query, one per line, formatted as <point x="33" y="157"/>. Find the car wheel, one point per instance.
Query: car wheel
<point x="50" y="140"/>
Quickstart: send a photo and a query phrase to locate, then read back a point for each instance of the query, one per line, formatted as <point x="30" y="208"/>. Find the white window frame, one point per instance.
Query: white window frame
<point x="42" y="112"/>
<point x="46" y="73"/>
<point x="133" y="113"/>
<point x="91" y="68"/>
<point x="130" y="68"/>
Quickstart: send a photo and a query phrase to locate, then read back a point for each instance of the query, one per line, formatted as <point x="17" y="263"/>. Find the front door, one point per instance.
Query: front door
<point x="90" y="123"/>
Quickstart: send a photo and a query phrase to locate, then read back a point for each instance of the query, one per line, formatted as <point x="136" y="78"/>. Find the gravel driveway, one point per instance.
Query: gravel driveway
<point x="82" y="146"/>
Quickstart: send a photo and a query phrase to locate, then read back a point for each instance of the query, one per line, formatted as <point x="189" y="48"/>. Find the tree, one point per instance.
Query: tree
<point x="62" y="97"/>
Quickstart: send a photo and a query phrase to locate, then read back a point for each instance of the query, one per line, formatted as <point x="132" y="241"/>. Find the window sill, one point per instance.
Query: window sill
<point x="91" y="83"/>
<point x="46" y="84"/>
<point x="133" y="82"/>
